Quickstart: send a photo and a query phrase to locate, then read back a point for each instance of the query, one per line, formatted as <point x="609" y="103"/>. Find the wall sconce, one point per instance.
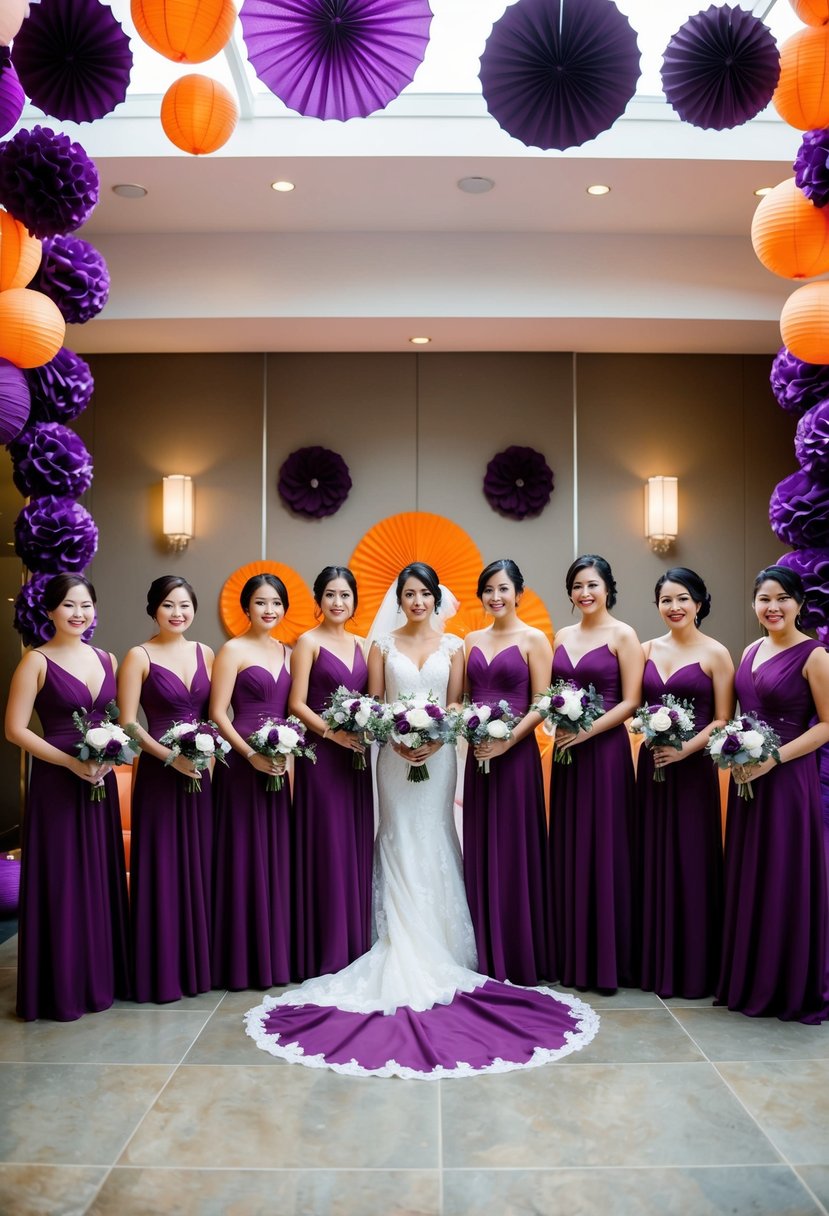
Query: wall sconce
<point x="661" y="512"/>
<point x="177" y="510"/>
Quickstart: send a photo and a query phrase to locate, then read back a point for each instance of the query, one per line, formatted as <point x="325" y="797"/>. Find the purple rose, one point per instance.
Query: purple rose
<point x="402" y="726"/>
<point x="434" y="711"/>
<point x="798" y="385"/>
<point x="813" y="567"/>
<point x="74" y="275"/>
<point x="47" y="182"/>
<point x="50" y="459"/>
<point x="187" y="739"/>
<point x="112" y="748"/>
<point x="585" y="700"/>
<point x="811" y="442"/>
<point x="811" y="167"/>
<point x="30" y="618"/>
<point x="474" y="722"/>
<point x="273" y="737"/>
<point x="53" y="534"/>
<point x="497" y="712"/>
<point x="673" y="715"/>
<point x="731" y="745"/>
<point x="746" y="724"/>
<point x="557" y="701"/>
<point x="799" y="511"/>
<point x="518" y="482"/>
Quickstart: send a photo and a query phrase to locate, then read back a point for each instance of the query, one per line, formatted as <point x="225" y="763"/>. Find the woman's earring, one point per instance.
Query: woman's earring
<point x="399" y="609"/>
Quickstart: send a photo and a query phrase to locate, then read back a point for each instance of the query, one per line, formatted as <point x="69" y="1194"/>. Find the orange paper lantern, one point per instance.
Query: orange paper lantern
<point x="790" y="235"/>
<point x="20" y="253"/>
<point x="804" y="322"/>
<point x="31" y="327"/>
<point x="198" y="114"/>
<point x="811" y="12"/>
<point x="802" y="94"/>
<point x="186" y="31"/>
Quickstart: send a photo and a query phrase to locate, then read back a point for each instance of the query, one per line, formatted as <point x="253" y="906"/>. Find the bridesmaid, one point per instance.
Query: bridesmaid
<point x="252" y="904"/>
<point x="333" y="806"/>
<point x="680" y="823"/>
<point x="592" y="800"/>
<point x="172" y="830"/>
<point x="504" y="818"/>
<point x="774" y="959"/>
<point x="73" y="944"/>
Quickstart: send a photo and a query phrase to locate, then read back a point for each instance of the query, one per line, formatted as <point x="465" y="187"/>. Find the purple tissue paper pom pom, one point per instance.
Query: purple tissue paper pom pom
<point x="53" y="534"/>
<point x="799" y="511"/>
<point x="61" y="389"/>
<point x="74" y="275"/>
<point x="50" y="459"/>
<point x="798" y="385"/>
<point x="314" y="482"/>
<point x="811" y="442"/>
<point x="47" y="182"/>
<point x="813" y="567"/>
<point x="30" y="618"/>
<point x="811" y="166"/>
<point x="518" y="482"/>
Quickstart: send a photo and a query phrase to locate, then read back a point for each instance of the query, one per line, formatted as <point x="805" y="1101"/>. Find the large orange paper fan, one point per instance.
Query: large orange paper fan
<point x="299" y="617"/>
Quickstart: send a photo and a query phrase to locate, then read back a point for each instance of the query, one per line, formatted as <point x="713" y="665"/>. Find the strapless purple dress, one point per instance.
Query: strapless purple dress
<point x="592" y="813"/>
<point x="679" y="853"/>
<point x="505" y="835"/>
<point x="172" y="851"/>
<point x="334" y="818"/>
<point x="73" y="948"/>
<point x="252" y="878"/>
<point x="774" y="956"/>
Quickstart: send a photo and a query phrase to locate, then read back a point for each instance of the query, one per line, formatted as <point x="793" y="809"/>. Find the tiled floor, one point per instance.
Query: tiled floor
<point x="675" y="1108"/>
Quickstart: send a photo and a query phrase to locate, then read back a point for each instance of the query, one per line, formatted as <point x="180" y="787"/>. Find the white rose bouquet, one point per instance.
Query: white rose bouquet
<point x="668" y="724"/>
<point x="104" y="742"/>
<point x="743" y="743"/>
<point x="198" y="742"/>
<point x="567" y="707"/>
<point x="416" y="721"/>
<point x="480" y="723"/>
<point x="356" y="713"/>
<point x="281" y="737"/>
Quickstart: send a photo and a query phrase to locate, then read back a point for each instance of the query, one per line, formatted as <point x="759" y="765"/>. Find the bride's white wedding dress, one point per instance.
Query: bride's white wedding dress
<point x="402" y="1008"/>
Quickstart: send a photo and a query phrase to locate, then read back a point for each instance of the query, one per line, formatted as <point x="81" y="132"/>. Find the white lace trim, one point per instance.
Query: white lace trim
<point x="586" y="1019"/>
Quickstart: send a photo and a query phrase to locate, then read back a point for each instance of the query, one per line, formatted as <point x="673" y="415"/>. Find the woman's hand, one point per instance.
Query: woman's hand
<point x="348" y="740"/>
<point x="491" y="749"/>
<point x="743" y="773"/>
<point x="564" y="740"/>
<point x="182" y="765"/>
<point x="418" y="755"/>
<point x="89" y="770"/>
<point x="663" y="756"/>
<point x="271" y="768"/>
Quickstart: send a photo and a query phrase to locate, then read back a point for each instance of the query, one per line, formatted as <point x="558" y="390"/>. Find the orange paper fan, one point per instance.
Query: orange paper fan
<point x="531" y="610"/>
<point x="299" y="617"/>
<point x="413" y="536"/>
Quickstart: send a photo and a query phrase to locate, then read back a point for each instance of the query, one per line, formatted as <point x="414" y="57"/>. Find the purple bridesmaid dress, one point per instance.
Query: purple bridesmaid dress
<point x="334" y="818"/>
<point x="680" y="853"/>
<point x="774" y="957"/>
<point x="505" y="835"/>
<point x="592" y="811"/>
<point x="172" y="851"/>
<point x="73" y="949"/>
<point x="252" y="883"/>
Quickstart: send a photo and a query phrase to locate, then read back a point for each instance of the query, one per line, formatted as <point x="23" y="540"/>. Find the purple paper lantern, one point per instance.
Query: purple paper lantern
<point x="799" y="512"/>
<point x="12" y="97"/>
<point x="555" y="74"/>
<point x="31" y="620"/>
<point x="518" y="482"/>
<point x="336" y="59"/>
<point x="53" y="534"/>
<point x="811" y="442"/>
<point x="15" y="401"/>
<point x="47" y="181"/>
<point x="61" y="389"/>
<point x="48" y="458"/>
<point x="74" y="275"/>
<point x="314" y="482"/>
<point x="720" y="68"/>
<point x="813" y="567"/>
<point x="811" y="167"/>
<point x="796" y="385"/>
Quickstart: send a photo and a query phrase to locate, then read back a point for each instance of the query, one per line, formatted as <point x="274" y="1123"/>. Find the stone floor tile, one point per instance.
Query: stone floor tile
<point x="632" y="1036"/>
<point x="723" y="1035"/>
<point x="111" y="1037"/>
<point x="48" y="1190"/>
<point x="223" y="1041"/>
<point x="788" y="1100"/>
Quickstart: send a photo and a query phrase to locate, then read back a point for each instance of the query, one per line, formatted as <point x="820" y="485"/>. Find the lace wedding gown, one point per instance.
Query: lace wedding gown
<point x="413" y="1005"/>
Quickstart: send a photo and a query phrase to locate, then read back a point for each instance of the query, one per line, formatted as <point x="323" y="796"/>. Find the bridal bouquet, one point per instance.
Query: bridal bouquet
<point x="198" y="742"/>
<point x="743" y="743"/>
<point x="567" y="707"/>
<point x="480" y="723"/>
<point x="104" y="742"/>
<point x="416" y="721"/>
<point x="281" y="737"/>
<point x="358" y="714"/>
<point x="669" y="724"/>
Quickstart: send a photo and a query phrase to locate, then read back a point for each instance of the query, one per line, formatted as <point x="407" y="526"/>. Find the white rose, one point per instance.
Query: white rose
<point x="121" y="735"/>
<point x="755" y="752"/>
<point x="661" y="720"/>
<point x="715" y="746"/>
<point x="287" y="736"/>
<point x="636" y="724"/>
<point x="498" y="729"/>
<point x="484" y="712"/>
<point x="180" y="728"/>
<point x="204" y="743"/>
<point x="339" y="716"/>
<point x="98" y="737"/>
<point x="362" y="716"/>
<point x="752" y="739"/>
<point x="261" y="735"/>
<point x="419" y="719"/>
<point x="543" y="704"/>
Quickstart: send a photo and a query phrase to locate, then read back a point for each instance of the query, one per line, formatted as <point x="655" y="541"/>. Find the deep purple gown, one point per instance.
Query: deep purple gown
<point x="592" y="811"/>
<point x="252" y="878"/>
<point x="505" y="835"/>
<point x="774" y="958"/>
<point x="172" y="851"/>
<point x="680" y="853"/>
<point x="73" y="949"/>
<point x="334" y="818"/>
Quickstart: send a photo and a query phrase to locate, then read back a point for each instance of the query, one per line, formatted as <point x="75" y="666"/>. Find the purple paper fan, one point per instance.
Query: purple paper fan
<point x="15" y="401"/>
<point x="73" y="59"/>
<point x="556" y="73"/>
<point x="336" y="59"/>
<point x="720" y="68"/>
<point x="12" y="96"/>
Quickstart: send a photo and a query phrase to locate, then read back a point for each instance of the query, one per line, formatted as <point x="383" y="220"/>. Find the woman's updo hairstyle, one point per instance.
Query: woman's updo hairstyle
<point x="426" y="575"/>
<point x="263" y="580"/>
<point x="57" y="589"/>
<point x="692" y="583"/>
<point x="789" y="580"/>
<point x="602" y="568"/>
<point x="509" y="568"/>
<point x="327" y="576"/>
<point x="161" y="587"/>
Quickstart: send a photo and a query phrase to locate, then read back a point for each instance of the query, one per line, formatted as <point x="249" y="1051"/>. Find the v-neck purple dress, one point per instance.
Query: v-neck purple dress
<point x="775" y="941"/>
<point x="592" y="812"/>
<point x="505" y="835"/>
<point x="171" y="851"/>
<point x="334" y="818"/>
<point x="252" y="903"/>
<point x="73" y="948"/>
<point x="679" y="852"/>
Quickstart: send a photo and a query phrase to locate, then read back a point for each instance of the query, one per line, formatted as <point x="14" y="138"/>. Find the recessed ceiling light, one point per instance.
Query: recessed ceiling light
<point x="762" y="191"/>
<point x="420" y="341"/>
<point x="597" y="190"/>
<point x="129" y="190"/>
<point x="283" y="187"/>
<point x="476" y="185"/>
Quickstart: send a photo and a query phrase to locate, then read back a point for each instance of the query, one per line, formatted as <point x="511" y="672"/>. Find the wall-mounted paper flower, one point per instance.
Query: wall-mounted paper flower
<point x="314" y="482"/>
<point x="74" y="275"/>
<point x="47" y="181"/>
<point x="53" y="534"/>
<point x="799" y="511"/>
<point x="518" y="482"/>
<point x="61" y="389"/>
<point x="30" y="617"/>
<point x="798" y="385"/>
<point x="811" y="442"/>
<point x="811" y="166"/>
<point x="813" y="567"/>
<point x="48" y="458"/>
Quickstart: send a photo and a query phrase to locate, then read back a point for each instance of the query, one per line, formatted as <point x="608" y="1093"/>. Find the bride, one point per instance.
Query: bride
<point x="413" y="1005"/>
